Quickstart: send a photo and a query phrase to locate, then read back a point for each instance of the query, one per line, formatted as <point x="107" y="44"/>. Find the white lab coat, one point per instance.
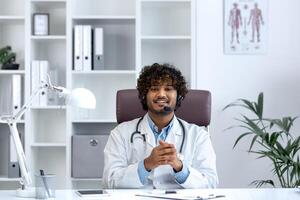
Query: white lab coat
<point x="121" y="157"/>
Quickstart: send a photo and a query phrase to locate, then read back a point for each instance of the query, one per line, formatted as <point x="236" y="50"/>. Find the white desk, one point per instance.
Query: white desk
<point x="230" y="194"/>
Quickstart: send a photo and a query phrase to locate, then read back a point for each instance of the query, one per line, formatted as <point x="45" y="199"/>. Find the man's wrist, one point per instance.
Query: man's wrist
<point x="146" y="165"/>
<point x="179" y="166"/>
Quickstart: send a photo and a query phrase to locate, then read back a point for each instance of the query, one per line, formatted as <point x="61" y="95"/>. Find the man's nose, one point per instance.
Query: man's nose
<point x="161" y="92"/>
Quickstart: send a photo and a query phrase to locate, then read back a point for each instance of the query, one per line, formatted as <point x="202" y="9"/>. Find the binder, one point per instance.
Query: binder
<point x="87" y="48"/>
<point x="78" y="48"/>
<point x="16" y="93"/>
<point x="13" y="165"/>
<point x="35" y="80"/>
<point x="44" y="65"/>
<point x="98" y="58"/>
<point x="6" y="103"/>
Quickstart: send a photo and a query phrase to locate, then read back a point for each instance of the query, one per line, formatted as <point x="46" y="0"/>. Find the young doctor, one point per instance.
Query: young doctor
<point x="154" y="158"/>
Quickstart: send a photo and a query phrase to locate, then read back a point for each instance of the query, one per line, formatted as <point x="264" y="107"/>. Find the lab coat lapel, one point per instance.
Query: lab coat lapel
<point x="175" y="135"/>
<point x="145" y="129"/>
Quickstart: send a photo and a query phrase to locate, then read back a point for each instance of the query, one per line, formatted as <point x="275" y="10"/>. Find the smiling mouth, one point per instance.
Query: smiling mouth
<point x="161" y="102"/>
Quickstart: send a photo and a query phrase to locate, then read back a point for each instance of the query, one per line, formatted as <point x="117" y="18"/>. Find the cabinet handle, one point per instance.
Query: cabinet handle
<point x="93" y="142"/>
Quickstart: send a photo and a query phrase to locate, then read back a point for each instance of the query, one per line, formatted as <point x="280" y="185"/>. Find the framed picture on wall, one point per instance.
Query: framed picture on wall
<point x="245" y="26"/>
<point x="40" y="24"/>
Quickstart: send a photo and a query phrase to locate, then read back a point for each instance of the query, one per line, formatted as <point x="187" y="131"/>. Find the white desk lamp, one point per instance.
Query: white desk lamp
<point x="79" y="97"/>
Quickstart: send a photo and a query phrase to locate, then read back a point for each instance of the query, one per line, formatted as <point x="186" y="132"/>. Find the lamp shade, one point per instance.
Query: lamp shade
<point x="81" y="97"/>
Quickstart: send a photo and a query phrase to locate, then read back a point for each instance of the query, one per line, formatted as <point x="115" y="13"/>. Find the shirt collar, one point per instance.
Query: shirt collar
<point x="154" y="128"/>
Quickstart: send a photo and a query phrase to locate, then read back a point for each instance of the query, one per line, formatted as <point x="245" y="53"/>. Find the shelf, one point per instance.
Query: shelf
<point x="5" y="179"/>
<point x="11" y="19"/>
<point x="106" y="17"/>
<point x="95" y="72"/>
<point x="48" y="37"/>
<point x="158" y="37"/>
<point x="94" y="121"/>
<point x="45" y="144"/>
<point x="86" y="179"/>
<point x="48" y="107"/>
<point x="12" y="72"/>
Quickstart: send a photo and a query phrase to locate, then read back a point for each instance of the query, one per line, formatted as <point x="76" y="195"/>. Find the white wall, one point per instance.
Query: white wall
<point x="228" y="77"/>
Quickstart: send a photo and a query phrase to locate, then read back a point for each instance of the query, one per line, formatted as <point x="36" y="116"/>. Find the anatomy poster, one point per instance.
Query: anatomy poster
<point x="245" y="26"/>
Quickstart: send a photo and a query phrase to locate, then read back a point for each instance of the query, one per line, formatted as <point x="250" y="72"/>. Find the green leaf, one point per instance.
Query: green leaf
<point x="249" y="105"/>
<point x="252" y="142"/>
<point x="240" y="137"/>
<point x="259" y="183"/>
<point x="260" y="105"/>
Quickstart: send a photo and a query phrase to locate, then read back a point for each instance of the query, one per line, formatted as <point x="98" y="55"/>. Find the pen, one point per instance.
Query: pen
<point x="210" y="197"/>
<point x="45" y="182"/>
<point x="170" y="192"/>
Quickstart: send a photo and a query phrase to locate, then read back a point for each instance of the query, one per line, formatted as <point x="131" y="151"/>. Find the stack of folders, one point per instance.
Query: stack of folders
<point x="88" y="48"/>
<point x="39" y="73"/>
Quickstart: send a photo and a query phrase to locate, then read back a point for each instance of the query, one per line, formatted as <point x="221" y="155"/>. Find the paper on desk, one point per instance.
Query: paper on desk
<point x="113" y="196"/>
<point x="179" y="195"/>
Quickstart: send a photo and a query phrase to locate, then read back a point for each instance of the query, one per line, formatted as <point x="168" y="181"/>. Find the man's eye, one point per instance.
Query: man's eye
<point x="154" y="89"/>
<point x="169" y="88"/>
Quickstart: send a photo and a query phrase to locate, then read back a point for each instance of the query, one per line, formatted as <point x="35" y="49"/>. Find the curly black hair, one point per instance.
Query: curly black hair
<point x="161" y="73"/>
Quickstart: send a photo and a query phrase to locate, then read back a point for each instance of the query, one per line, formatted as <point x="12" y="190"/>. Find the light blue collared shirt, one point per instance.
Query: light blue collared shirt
<point x="180" y="176"/>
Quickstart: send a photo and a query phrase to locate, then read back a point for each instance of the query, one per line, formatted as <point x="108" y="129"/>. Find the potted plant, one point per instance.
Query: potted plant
<point x="8" y="58"/>
<point x="273" y="140"/>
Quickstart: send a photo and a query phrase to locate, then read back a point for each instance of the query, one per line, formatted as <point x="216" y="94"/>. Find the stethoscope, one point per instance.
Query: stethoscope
<point x="144" y="135"/>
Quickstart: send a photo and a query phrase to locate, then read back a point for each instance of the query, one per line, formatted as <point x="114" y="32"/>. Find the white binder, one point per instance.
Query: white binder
<point x="98" y="49"/>
<point x="16" y="93"/>
<point x="78" y="48"/>
<point x="35" y="80"/>
<point x="13" y="165"/>
<point x="44" y="65"/>
<point x="87" y="48"/>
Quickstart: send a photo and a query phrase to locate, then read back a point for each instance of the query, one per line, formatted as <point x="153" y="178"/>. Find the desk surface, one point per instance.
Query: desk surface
<point x="230" y="194"/>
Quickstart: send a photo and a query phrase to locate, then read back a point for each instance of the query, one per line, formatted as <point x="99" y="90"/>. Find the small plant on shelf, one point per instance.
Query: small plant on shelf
<point x="8" y="58"/>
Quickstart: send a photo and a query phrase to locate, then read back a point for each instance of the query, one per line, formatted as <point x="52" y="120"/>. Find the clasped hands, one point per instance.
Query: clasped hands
<point x="164" y="154"/>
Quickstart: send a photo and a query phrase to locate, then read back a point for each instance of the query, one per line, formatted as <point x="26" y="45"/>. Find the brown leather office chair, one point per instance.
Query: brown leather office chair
<point x="195" y="108"/>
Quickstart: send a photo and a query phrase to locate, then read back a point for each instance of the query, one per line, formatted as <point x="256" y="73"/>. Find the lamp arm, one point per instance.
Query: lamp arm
<point x="21" y="112"/>
<point x="26" y="180"/>
<point x="12" y="122"/>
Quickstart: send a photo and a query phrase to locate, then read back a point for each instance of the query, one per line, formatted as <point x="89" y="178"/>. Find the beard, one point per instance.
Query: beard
<point x="163" y="111"/>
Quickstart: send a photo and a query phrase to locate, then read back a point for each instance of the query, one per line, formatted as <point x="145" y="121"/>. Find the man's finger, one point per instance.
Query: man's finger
<point x="165" y="144"/>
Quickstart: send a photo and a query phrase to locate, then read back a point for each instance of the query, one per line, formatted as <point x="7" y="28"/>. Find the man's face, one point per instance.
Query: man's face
<point x="161" y="95"/>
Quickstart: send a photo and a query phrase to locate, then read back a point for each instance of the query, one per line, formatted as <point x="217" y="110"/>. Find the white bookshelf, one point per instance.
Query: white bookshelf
<point x="95" y="121"/>
<point x="48" y="107"/>
<point x="170" y="37"/>
<point x="136" y="33"/>
<point x="10" y="72"/>
<point x="11" y="19"/>
<point x="45" y="144"/>
<point x="5" y="179"/>
<point x="170" y="41"/>
<point x="108" y="72"/>
<point x="110" y="17"/>
<point x="49" y="37"/>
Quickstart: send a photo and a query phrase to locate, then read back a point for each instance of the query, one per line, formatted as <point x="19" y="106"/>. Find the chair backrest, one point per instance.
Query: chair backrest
<point x="195" y="108"/>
